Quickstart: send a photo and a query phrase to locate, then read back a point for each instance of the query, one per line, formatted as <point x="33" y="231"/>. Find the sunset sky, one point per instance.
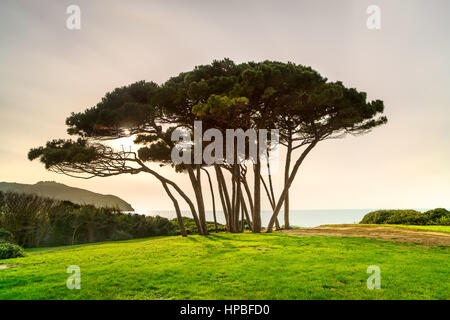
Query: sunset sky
<point x="48" y="71"/>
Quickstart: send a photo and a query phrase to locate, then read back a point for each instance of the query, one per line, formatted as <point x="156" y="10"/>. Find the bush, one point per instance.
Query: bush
<point x="34" y="221"/>
<point x="191" y="227"/>
<point x="439" y="216"/>
<point x="121" y="235"/>
<point x="9" y="250"/>
<point x="409" y="217"/>
<point x="5" y="235"/>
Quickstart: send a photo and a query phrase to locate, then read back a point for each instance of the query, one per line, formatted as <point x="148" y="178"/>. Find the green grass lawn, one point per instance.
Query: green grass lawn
<point x="231" y="266"/>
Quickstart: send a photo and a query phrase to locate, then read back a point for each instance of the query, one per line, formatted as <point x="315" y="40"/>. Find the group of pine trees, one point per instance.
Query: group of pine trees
<point x="296" y="100"/>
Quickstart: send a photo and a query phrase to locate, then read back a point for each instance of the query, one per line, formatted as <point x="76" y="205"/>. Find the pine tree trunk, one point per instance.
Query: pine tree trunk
<point x="244" y="207"/>
<point x="238" y="196"/>
<point x="277" y="223"/>
<point x="286" y="188"/>
<point x="213" y="199"/>
<point x="257" y="197"/>
<point x="225" y="193"/>
<point x="180" y="192"/>
<point x="177" y="210"/>
<point x="199" y="197"/>
<point x="271" y="200"/>
<point x="249" y="195"/>
<point x="222" y="200"/>
<point x="286" y="178"/>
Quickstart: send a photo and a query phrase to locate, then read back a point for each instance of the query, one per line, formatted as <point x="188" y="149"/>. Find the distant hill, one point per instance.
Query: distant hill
<point x="60" y="191"/>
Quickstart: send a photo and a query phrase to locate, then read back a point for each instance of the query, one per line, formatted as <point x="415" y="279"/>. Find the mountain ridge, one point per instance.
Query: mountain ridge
<point x="59" y="191"/>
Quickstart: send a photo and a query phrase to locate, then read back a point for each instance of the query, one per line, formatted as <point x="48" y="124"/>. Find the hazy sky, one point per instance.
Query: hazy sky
<point x="48" y="71"/>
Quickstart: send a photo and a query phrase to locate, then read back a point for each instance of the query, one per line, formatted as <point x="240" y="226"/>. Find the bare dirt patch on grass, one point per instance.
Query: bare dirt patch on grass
<point x="427" y="238"/>
<point x="6" y="266"/>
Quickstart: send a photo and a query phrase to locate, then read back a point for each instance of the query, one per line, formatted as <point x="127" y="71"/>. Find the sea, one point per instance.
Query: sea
<point x="300" y="218"/>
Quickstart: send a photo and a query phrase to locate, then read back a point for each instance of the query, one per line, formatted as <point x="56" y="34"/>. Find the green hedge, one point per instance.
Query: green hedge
<point x="191" y="227"/>
<point x="33" y="221"/>
<point x="437" y="216"/>
<point x="5" y="235"/>
<point x="9" y="250"/>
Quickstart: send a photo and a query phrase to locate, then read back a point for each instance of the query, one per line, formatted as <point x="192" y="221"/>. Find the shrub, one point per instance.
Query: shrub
<point x="120" y="235"/>
<point x="191" y="227"/>
<point x="439" y="216"/>
<point x="5" y="235"/>
<point x="9" y="250"/>
<point x="410" y="217"/>
<point x="34" y="222"/>
<point x="393" y="217"/>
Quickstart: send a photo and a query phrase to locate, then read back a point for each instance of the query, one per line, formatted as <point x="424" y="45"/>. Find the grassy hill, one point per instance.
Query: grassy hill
<point x="231" y="266"/>
<point x="60" y="191"/>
